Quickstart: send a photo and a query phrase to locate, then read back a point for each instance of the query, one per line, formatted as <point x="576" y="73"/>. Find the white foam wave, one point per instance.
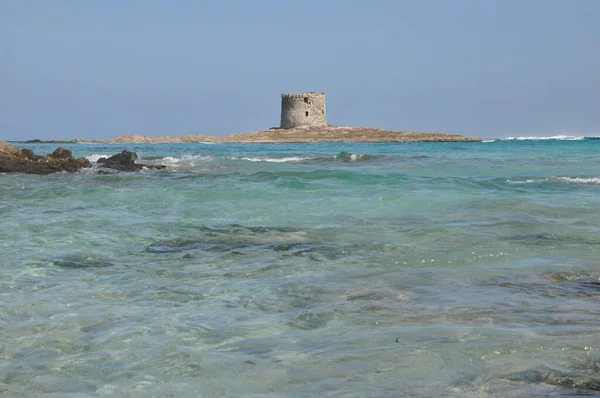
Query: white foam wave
<point x="489" y="140"/>
<point x="184" y="162"/>
<point x="291" y="159"/>
<point x="580" y="180"/>
<point x="356" y="156"/>
<point x="96" y="170"/>
<point x="530" y="181"/>
<point x="555" y="138"/>
<point x="352" y="157"/>
<point x="94" y="157"/>
<point x="570" y="180"/>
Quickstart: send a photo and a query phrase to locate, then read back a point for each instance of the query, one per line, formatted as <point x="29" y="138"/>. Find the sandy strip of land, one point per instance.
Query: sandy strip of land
<point x="302" y="134"/>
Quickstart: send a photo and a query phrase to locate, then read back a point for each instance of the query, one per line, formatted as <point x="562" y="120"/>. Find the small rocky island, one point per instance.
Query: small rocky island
<point x="300" y="135"/>
<point x="303" y="119"/>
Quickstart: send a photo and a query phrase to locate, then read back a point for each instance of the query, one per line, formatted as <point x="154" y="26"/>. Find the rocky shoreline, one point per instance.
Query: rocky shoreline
<point x="294" y="135"/>
<point x="23" y="160"/>
<point x="15" y="160"/>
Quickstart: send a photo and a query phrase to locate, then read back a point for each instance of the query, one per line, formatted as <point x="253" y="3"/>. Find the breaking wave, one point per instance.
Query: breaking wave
<point x="94" y="157"/>
<point x="568" y="180"/>
<point x="580" y="180"/>
<point x="186" y="162"/>
<point x="191" y="163"/>
<point x="552" y="138"/>
<point x="291" y="159"/>
<point x="340" y="157"/>
<point x="353" y="157"/>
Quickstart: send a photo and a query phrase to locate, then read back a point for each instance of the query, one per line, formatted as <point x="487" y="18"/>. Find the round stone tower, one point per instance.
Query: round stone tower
<point x="306" y="109"/>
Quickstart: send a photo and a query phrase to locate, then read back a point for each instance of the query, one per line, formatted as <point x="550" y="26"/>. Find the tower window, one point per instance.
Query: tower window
<point x="306" y="113"/>
<point x="306" y="99"/>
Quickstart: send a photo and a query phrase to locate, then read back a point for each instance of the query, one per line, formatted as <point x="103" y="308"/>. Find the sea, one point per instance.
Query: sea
<point x="306" y="270"/>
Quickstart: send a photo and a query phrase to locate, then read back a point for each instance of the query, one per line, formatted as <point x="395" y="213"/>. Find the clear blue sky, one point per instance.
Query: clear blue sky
<point x="486" y="68"/>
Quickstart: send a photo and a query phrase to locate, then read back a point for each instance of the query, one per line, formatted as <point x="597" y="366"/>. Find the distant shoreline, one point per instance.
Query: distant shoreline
<point x="295" y="135"/>
<point x="36" y="141"/>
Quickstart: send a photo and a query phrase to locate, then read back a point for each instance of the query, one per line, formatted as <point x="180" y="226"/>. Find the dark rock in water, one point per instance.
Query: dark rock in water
<point x="30" y="155"/>
<point x="82" y="261"/>
<point x="36" y="141"/>
<point x="124" y="157"/>
<point x="125" y="161"/>
<point x="61" y="153"/>
<point x="284" y="247"/>
<point x="15" y="160"/>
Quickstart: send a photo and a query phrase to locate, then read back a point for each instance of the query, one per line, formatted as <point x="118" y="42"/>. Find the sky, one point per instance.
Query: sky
<point x="482" y="68"/>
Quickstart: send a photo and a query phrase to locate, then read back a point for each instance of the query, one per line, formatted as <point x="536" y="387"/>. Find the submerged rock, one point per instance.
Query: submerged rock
<point x="576" y="283"/>
<point x="308" y="320"/>
<point x="125" y="161"/>
<point x="239" y="240"/>
<point x="82" y="261"/>
<point x="15" y="160"/>
<point x="575" y="276"/>
<point x="570" y="380"/>
<point x="234" y="237"/>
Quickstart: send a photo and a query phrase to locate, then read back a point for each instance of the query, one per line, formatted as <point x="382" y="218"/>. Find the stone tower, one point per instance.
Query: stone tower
<point x="306" y="109"/>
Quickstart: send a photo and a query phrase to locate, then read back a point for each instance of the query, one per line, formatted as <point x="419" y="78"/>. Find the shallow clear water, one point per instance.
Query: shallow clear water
<point x="426" y="269"/>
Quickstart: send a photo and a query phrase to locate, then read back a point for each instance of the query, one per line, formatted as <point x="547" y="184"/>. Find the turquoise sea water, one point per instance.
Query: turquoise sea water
<point x="337" y="270"/>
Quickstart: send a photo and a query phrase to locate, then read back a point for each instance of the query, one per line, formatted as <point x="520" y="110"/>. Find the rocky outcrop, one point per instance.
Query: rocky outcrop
<point x="15" y="160"/>
<point x="125" y="161"/>
<point x="9" y="151"/>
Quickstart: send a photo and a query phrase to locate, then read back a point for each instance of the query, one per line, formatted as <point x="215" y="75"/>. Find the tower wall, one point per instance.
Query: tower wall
<point x="306" y="109"/>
